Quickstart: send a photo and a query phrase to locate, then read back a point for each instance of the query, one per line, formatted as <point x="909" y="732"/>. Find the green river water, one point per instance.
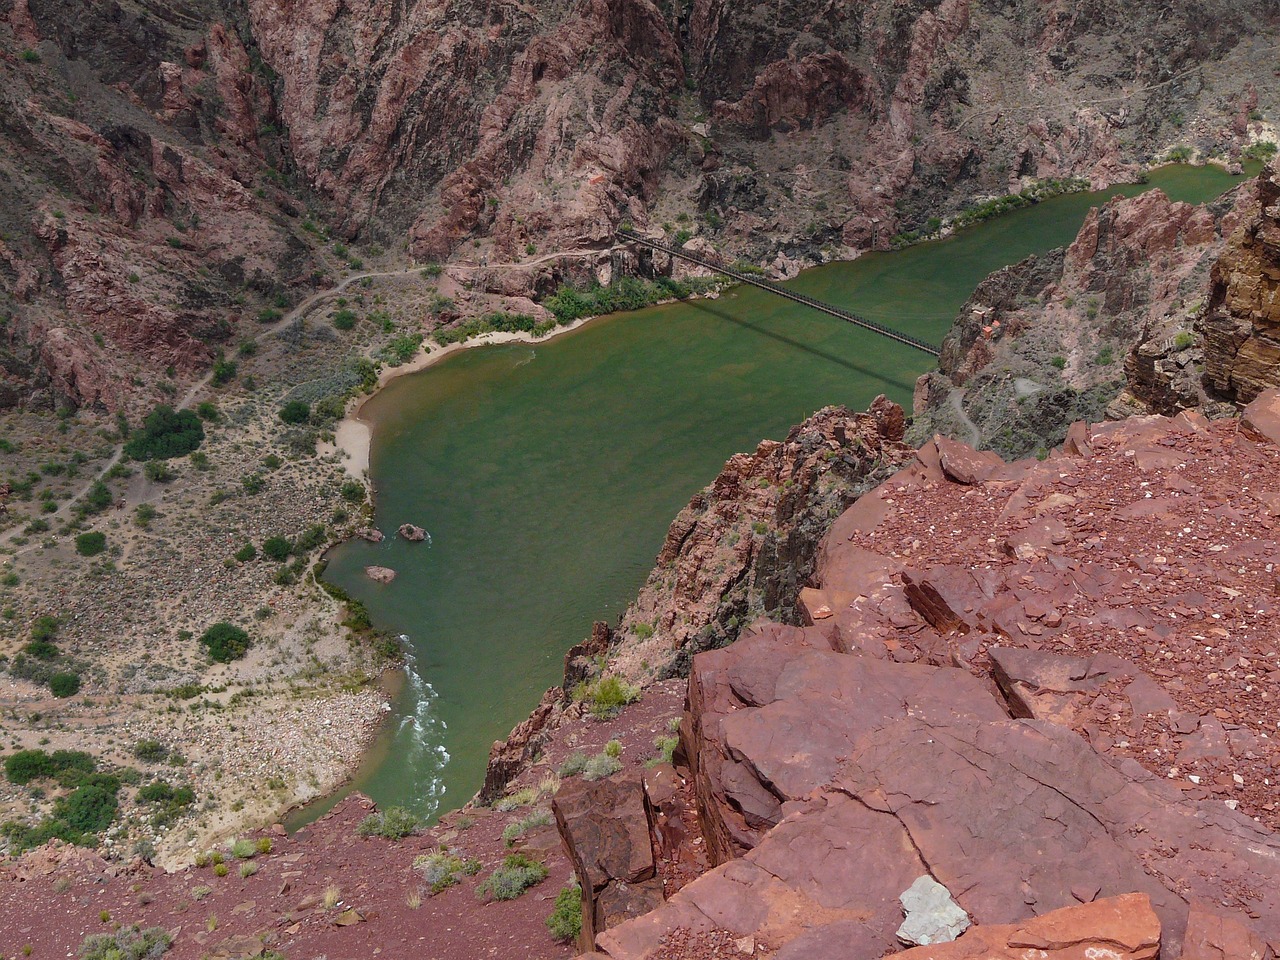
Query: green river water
<point x="547" y="474"/>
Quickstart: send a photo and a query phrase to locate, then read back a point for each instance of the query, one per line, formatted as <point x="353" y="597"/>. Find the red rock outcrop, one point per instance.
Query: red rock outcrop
<point x="606" y="827"/>
<point x="745" y="544"/>
<point x="1119" y="928"/>
<point x="1133" y="633"/>
<point x="1241" y="324"/>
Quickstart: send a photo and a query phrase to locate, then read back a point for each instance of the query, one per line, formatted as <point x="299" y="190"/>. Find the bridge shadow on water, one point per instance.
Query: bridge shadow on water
<point x="706" y="306"/>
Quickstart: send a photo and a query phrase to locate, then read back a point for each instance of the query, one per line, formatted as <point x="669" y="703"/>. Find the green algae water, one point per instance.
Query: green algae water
<point x="547" y="474"/>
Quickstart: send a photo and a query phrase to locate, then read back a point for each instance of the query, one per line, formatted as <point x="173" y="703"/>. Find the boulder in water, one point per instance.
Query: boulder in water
<point x="410" y="532"/>
<point x="372" y="534"/>
<point x="380" y="574"/>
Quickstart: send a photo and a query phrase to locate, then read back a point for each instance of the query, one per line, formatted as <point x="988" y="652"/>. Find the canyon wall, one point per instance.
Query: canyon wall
<point x="170" y="170"/>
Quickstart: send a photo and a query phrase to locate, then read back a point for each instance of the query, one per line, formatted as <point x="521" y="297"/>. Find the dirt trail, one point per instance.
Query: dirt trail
<point x="301" y="310"/>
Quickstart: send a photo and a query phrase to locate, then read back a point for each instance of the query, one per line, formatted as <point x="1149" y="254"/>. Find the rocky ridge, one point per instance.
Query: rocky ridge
<point x="1128" y="643"/>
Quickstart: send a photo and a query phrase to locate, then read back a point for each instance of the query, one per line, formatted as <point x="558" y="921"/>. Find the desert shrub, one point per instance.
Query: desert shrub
<point x="666" y="750"/>
<point x="41" y="650"/>
<point x="225" y="642"/>
<point x="44" y="628"/>
<point x="1263" y="150"/>
<point x="157" y="471"/>
<point x="514" y="831"/>
<point x="514" y="801"/>
<point x="352" y="491"/>
<point x="27" y="765"/>
<point x="127" y="943"/>
<point x="91" y="544"/>
<point x="314" y="536"/>
<point x="221" y="869"/>
<point x="97" y="499"/>
<point x="344" y="319"/>
<point x="607" y="696"/>
<point x="247" y="870"/>
<point x="613" y="749"/>
<point x="65" y="684"/>
<point x="295" y="412"/>
<point x="165" y="434"/>
<point x="277" y="548"/>
<point x="439" y="869"/>
<point x="1183" y="340"/>
<point x="600" y="766"/>
<point x="150" y="751"/>
<point x="87" y="809"/>
<point x="208" y="410"/>
<point x="246" y="553"/>
<point x="516" y="875"/>
<point x="244" y="849"/>
<point x="573" y="764"/>
<point x="565" y="922"/>
<point x="224" y="370"/>
<point x="390" y="824"/>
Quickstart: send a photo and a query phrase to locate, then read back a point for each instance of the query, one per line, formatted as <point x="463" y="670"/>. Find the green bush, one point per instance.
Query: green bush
<point x="87" y="809"/>
<point x="44" y="628"/>
<point x="565" y="922"/>
<point x="246" y="553"/>
<point x="208" y="410"/>
<point x="295" y="412"/>
<point x="314" y="536"/>
<point x="1263" y="150"/>
<point x="127" y="943"/>
<point x="600" y="766"/>
<point x="607" y="696"/>
<point x="41" y="650"/>
<point x="91" y="544"/>
<point x="97" y="499"/>
<point x="345" y="319"/>
<point x="353" y="491"/>
<point x="224" y="370"/>
<point x="244" y="849"/>
<point x="165" y="434"/>
<point x="225" y="642"/>
<point x="1183" y="340"/>
<point x="575" y="763"/>
<point x="516" y="875"/>
<point x="277" y="548"/>
<point x="157" y="471"/>
<point x="517" y="829"/>
<point x="439" y="869"/>
<point x="150" y="751"/>
<point x="64" y="684"/>
<point x="27" y="765"/>
<point x="391" y="824"/>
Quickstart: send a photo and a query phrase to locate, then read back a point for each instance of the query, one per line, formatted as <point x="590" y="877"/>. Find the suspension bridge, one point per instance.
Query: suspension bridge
<point x="630" y="236"/>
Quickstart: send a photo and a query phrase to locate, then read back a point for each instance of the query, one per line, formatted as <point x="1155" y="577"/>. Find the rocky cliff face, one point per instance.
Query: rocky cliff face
<point x="1106" y="325"/>
<point x="140" y="217"/>
<point x="188" y="139"/>
<point x="1241" y="324"/>
<point x="745" y="546"/>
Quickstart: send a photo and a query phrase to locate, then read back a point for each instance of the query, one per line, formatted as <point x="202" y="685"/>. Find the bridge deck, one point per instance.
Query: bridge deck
<point x="780" y="290"/>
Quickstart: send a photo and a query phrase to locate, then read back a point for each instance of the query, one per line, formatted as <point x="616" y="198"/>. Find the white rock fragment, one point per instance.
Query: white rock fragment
<point x="932" y="916"/>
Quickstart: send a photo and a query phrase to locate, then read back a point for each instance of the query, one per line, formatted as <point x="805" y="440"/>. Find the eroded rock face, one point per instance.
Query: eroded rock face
<point x="605" y="827"/>
<point x="745" y="545"/>
<point x="1242" y="321"/>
